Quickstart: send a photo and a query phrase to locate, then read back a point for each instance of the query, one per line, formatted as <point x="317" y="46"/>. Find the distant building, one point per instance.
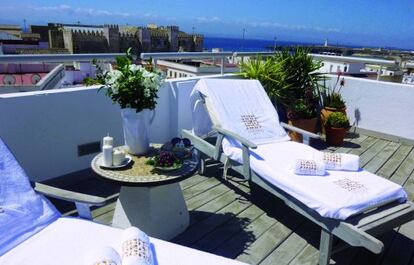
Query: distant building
<point x="343" y="67"/>
<point x="78" y="38"/>
<point x="14" y="41"/>
<point x="14" y="30"/>
<point x="16" y="77"/>
<point x="189" y="68"/>
<point x="408" y="79"/>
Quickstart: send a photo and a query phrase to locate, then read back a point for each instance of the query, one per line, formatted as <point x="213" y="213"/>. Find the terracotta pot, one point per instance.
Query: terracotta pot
<point x="305" y="124"/>
<point x="335" y="136"/>
<point x="325" y="112"/>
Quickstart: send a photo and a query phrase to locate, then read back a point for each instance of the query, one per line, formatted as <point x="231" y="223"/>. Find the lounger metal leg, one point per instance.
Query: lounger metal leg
<point x="226" y="167"/>
<point x="83" y="210"/>
<point x="325" y="247"/>
<point x="202" y="166"/>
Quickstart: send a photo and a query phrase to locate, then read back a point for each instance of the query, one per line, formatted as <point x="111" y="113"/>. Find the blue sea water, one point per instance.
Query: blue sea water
<point x="236" y="45"/>
<point x="230" y="44"/>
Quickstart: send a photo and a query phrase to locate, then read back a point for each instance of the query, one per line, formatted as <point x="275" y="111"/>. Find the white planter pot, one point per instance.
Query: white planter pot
<point x="136" y="127"/>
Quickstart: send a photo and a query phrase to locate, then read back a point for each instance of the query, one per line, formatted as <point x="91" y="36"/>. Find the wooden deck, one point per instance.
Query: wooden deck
<point x="230" y="219"/>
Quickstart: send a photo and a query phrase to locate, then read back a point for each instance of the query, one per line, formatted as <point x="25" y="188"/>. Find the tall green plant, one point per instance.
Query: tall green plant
<point x="268" y="72"/>
<point x="290" y="78"/>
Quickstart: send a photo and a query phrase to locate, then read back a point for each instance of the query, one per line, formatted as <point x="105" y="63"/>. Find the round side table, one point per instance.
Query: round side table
<point x="150" y="199"/>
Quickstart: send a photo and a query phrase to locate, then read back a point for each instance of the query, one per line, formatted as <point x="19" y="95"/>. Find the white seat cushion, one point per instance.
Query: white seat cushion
<point x="338" y="195"/>
<point x="66" y="241"/>
<point x="230" y="106"/>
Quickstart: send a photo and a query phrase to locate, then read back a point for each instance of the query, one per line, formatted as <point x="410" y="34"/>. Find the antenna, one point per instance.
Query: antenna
<point x="24" y="25"/>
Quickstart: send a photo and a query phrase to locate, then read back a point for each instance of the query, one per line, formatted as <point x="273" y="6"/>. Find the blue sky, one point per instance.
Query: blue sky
<point x="364" y="22"/>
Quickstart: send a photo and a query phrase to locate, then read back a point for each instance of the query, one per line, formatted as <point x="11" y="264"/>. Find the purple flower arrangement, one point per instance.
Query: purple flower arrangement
<point x="166" y="159"/>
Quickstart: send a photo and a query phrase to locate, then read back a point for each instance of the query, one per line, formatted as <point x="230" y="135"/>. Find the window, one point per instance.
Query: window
<point x="175" y="74"/>
<point x="346" y="69"/>
<point x="330" y="68"/>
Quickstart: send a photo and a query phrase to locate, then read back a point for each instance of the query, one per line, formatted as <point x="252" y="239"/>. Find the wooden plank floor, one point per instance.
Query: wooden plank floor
<point x="246" y="223"/>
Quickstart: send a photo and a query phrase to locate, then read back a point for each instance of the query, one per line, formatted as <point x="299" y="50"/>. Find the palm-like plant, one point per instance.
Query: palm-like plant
<point x="270" y="74"/>
<point x="289" y="79"/>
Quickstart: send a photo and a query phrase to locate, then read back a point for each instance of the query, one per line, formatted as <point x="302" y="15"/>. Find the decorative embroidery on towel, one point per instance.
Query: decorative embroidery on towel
<point x="251" y="122"/>
<point x="105" y="262"/>
<point x="350" y="185"/>
<point x="136" y="247"/>
<point x="307" y="166"/>
<point x="332" y="160"/>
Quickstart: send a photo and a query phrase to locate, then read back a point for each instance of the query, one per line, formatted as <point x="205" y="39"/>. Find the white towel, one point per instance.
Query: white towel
<point x="339" y="161"/>
<point x="309" y="167"/>
<point x="230" y="106"/>
<point x="136" y="249"/>
<point x="102" y="256"/>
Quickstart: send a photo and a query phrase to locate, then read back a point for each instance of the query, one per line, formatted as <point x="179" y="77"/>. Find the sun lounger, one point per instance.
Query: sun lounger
<point x="353" y="206"/>
<point x="33" y="232"/>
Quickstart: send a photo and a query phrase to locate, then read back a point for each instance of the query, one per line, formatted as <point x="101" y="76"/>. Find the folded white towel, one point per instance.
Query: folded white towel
<point x="340" y="161"/>
<point x="102" y="256"/>
<point x="136" y="249"/>
<point x="309" y="167"/>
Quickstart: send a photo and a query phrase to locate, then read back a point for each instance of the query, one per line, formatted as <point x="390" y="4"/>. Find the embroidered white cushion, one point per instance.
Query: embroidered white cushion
<point x="230" y="106"/>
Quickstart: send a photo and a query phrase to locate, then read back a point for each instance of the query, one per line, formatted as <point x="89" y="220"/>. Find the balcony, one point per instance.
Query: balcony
<point x="46" y="130"/>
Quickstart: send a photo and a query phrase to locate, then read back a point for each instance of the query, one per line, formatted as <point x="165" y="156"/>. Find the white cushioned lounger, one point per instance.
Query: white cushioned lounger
<point x="66" y="241"/>
<point x="354" y="206"/>
<point x="338" y="195"/>
<point x="243" y="107"/>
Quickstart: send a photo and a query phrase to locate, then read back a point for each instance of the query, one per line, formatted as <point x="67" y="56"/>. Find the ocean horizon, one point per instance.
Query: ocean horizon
<point x="247" y="45"/>
<point x="234" y="44"/>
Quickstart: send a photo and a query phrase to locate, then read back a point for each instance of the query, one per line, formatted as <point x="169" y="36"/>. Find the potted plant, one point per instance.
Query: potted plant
<point x="332" y="100"/>
<point x="336" y="127"/>
<point x="135" y="89"/>
<point x="302" y="114"/>
<point x="292" y="82"/>
<point x="301" y="76"/>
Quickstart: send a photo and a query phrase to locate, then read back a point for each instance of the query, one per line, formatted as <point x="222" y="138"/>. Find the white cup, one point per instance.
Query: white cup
<point x="118" y="157"/>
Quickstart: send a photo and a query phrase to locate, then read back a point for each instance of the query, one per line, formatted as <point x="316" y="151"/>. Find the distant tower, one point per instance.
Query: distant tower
<point x="144" y="37"/>
<point x="111" y="33"/>
<point x="326" y="43"/>
<point x="173" y="37"/>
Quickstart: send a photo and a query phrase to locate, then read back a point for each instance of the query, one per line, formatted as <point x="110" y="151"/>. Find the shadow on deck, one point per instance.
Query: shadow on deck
<point x="239" y="221"/>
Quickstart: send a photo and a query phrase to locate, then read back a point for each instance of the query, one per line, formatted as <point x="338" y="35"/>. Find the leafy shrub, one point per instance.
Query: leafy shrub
<point x="337" y="120"/>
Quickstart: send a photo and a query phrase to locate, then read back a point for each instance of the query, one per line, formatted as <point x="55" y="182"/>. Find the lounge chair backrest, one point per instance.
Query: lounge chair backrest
<point x="22" y="212"/>
<point x="241" y="106"/>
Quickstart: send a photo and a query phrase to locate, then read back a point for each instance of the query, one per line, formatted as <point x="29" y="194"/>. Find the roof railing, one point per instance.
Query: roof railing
<point x="110" y="57"/>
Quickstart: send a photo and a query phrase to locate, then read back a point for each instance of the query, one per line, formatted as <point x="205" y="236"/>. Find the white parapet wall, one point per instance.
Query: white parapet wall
<point x="44" y="128"/>
<point x="380" y="107"/>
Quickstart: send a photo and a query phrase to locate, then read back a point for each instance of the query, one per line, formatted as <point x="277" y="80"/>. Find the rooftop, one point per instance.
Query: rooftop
<point x="229" y="219"/>
<point x="46" y="130"/>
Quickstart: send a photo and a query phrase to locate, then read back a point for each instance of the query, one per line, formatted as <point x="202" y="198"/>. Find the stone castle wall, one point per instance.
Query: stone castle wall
<point x="112" y="39"/>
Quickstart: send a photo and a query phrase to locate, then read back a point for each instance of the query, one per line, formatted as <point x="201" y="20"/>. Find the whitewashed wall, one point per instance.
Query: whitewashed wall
<point x="44" y="128"/>
<point x="383" y="107"/>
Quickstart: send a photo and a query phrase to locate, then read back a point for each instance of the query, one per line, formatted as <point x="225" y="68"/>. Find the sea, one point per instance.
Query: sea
<point x="237" y="45"/>
<point x="247" y="45"/>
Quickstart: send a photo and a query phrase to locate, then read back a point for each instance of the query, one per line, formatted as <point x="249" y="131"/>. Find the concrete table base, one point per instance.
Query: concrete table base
<point x="159" y="211"/>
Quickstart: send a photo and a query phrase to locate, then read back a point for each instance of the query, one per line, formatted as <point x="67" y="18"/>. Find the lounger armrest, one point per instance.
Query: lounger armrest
<point x="299" y="130"/>
<point x="67" y="195"/>
<point x="235" y="136"/>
